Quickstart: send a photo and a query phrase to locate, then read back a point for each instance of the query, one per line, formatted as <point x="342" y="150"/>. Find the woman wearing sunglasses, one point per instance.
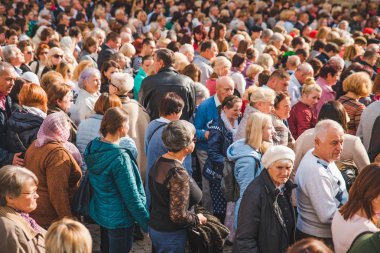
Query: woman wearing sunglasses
<point x="53" y="59"/>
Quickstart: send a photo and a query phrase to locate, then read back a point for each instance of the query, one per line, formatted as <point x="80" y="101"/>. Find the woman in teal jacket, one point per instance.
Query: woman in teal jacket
<point x="118" y="200"/>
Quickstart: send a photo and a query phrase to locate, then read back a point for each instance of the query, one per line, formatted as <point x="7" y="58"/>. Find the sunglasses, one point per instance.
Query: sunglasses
<point x="58" y="56"/>
<point x="29" y="52"/>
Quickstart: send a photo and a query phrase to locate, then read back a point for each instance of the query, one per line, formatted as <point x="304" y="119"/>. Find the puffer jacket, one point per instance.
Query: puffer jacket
<point x="259" y="227"/>
<point x="247" y="167"/>
<point x="118" y="199"/>
<point x="22" y="129"/>
<point x="153" y="89"/>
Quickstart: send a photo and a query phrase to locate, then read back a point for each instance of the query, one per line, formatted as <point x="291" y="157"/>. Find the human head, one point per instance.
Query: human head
<point x="106" y="101"/>
<point x="238" y="61"/>
<point x="293" y="62"/>
<point x="334" y="110"/>
<point x="128" y="50"/>
<point x="171" y="105"/>
<point x="253" y="70"/>
<point x="331" y="49"/>
<point x="311" y="92"/>
<point x="370" y="56"/>
<point x="13" y="55"/>
<point x="81" y="66"/>
<point x="202" y="92"/>
<point x="115" y="122"/>
<point x="277" y="40"/>
<point x="364" y="194"/>
<point x="209" y="50"/>
<point x="163" y="58"/>
<point x="60" y="95"/>
<point x="99" y="34"/>
<point x="7" y="78"/>
<point x="113" y="40"/>
<point x="259" y="129"/>
<point x="282" y="106"/>
<point x="266" y="35"/>
<point x="178" y="135"/>
<point x="188" y="51"/>
<point x="262" y="99"/>
<point x="351" y="52"/>
<point x="148" y="46"/>
<point x="316" y="65"/>
<point x="54" y="57"/>
<point x="33" y="95"/>
<point x="330" y="72"/>
<point x="107" y="69"/>
<point x="279" y="81"/>
<point x="304" y="71"/>
<point x="358" y="83"/>
<point x="309" y="245"/>
<point x="192" y="71"/>
<point x="231" y="106"/>
<point x="224" y="87"/>
<point x="66" y="70"/>
<point x="222" y="66"/>
<point x="66" y="236"/>
<point x="42" y="51"/>
<point x="89" y="80"/>
<point x="91" y="45"/>
<point x="121" y="83"/>
<point x="11" y="37"/>
<point x="27" y="49"/>
<point x="278" y="160"/>
<point x="265" y="61"/>
<point x="18" y="188"/>
<point x="180" y="61"/>
<point x="328" y="142"/>
<point x="50" y="78"/>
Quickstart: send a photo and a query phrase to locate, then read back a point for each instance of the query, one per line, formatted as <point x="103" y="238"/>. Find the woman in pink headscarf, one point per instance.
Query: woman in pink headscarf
<point x="56" y="163"/>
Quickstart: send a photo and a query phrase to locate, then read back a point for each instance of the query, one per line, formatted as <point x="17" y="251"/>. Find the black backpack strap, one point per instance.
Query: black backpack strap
<point x="155" y="130"/>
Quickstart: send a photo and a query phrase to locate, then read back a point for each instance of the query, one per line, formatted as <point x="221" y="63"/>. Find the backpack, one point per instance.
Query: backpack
<point x="229" y="186"/>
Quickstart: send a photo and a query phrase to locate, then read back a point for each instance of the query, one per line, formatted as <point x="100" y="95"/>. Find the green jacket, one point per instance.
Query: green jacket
<point x="366" y="243"/>
<point x="137" y="85"/>
<point x="118" y="199"/>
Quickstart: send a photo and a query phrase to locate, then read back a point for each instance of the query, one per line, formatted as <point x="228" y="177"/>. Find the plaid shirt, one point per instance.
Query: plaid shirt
<point x="354" y="110"/>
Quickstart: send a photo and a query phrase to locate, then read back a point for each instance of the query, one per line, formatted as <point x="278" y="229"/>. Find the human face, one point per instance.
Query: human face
<point x="43" y="54"/>
<point x="282" y="85"/>
<point x="112" y="89"/>
<point x="311" y="99"/>
<point x="212" y="52"/>
<point x="224" y="89"/>
<point x="149" y="49"/>
<point x="280" y="171"/>
<point x="233" y="113"/>
<point x="92" y="84"/>
<point x="115" y="44"/>
<point x="224" y="71"/>
<point x="242" y="66"/>
<point x="13" y="40"/>
<point x="93" y="48"/>
<point x="268" y="132"/>
<point x="222" y="33"/>
<point x="158" y="64"/>
<point x="19" y="59"/>
<point x="7" y="81"/>
<point x="65" y="102"/>
<point x="28" y="54"/>
<point x="56" y="59"/>
<point x="332" y="79"/>
<point x="110" y="71"/>
<point x="283" y="109"/>
<point x="146" y="65"/>
<point x="27" y="201"/>
<point x="266" y="107"/>
<point x="330" y="146"/>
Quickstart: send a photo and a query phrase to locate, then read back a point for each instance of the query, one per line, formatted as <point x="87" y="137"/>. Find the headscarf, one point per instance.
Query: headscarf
<point x="56" y="128"/>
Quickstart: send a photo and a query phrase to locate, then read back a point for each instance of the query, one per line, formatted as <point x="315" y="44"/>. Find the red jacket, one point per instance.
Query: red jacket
<point x="302" y="117"/>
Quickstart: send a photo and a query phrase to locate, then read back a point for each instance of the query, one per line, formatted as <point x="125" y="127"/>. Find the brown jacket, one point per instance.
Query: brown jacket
<point x="17" y="235"/>
<point x="59" y="175"/>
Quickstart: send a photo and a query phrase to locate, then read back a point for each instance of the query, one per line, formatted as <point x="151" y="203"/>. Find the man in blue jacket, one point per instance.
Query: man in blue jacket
<point x="207" y="111"/>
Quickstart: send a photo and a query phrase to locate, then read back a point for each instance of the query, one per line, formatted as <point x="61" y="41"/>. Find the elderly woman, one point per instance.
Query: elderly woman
<point x="173" y="191"/>
<point x="356" y="86"/>
<point x="55" y="161"/>
<point x="18" y="197"/>
<point x="261" y="100"/>
<point x="54" y="57"/>
<point x="222" y="67"/>
<point x="120" y="85"/>
<point x="89" y="84"/>
<point x="117" y="204"/>
<point x="266" y="220"/>
<point x="282" y="134"/>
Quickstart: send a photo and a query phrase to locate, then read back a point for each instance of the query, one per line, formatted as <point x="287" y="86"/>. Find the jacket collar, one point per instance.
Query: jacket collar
<point x="167" y="69"/>
<point x="272" y="190"/>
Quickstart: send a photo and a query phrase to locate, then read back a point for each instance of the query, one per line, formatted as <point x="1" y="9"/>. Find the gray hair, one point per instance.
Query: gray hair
<point x="225" y="79"/>
<point x="338" y="60"/>
<point x="178" y="135"/>
<point x="305" y="68"/>
<point x="9" y="52"/>
<point x="86" y="74"/>
<point x="267" y="33"/>
<point x="4" y="66"/>
<point x="201" y="92"/>
<point x="322" y="127"/>
<point x="294" y="60"/>
<point x="12" y="179"/>
<point x="277" y="37"/>
<point x="186" y="48"/>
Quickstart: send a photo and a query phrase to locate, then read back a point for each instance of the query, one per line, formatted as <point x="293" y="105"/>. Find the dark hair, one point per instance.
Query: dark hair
<point x="238" y="59"/>
<point x="147" y="41"/>
<point x="229" y="102"/>
<point x="89" y="42"/>
<point x="297" y="41"/>
<point x="316" y="65"/>
<point x="301" y="51"/>
<point x="19" y="82"/>
<point x="218" y="27"/>
<point x="318" y="44"/>
<point x="279" y="97"/>
<point x="113" y="120"/>
<point x="106" y="65"/>
<point x="199" y="29"/>
<point x="57" y="91"/>
<point x="9" y="33"/>
<point x="74" y="31"/>
<point x="364" y="190"/>
<point x="206" y="45"/>
<point x="23" y="44"/>
<point x="174" y="46"/>
<point x="242" y="47"/>
<point x="171" y="103"/>
<point x="45" y="33"/>
<point x="309" y="245"/>
<point x="146" y="58"/>
<point x="263" y="77"/>
<point x="112" y="36"/>
<point x="331" y="68"/>
<point x="166" y="55"/>
<point x="192" y="71"/>
<point x="331" y="47"/>
<point x="334" y="110"/>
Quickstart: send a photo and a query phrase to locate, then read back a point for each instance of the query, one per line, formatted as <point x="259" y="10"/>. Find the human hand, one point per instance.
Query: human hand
<point x="17" y="160"/>
<point x="207" y="133"/>
<point x="202" y="219"/>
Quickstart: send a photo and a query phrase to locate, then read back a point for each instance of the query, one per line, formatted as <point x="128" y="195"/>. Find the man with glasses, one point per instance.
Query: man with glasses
<point x="321" y="188"/>
<point x="7" y="80"/>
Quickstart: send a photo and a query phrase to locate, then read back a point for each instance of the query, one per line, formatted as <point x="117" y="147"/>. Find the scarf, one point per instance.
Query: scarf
<point x="228" y="125"/>
<point x="29" y="220"/>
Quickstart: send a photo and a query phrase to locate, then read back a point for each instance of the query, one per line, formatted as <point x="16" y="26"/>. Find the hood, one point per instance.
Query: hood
<point x="23" y="121"/>
<point x="239" y="149"/>
<point x="99" y="155"/>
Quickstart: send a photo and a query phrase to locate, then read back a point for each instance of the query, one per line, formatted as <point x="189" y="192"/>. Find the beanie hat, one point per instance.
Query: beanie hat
<point x="276" y="153"/>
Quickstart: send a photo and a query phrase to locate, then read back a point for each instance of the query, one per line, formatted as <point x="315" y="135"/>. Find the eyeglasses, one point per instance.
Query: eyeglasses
<point x="58" y="56"/>
<point x="33" y="193"/>
<point x="29" y="52"/>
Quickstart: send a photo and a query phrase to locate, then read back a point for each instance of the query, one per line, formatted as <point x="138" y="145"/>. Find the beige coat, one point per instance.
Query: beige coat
<point x="353" y="149"/>
<point x="138" y="122"/>
<point x="17" y="235"/>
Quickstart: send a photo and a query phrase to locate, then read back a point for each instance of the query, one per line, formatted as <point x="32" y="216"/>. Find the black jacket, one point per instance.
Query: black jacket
<point x="153" y="89"/>
<point x="259" y="228"/>
<point x="6" y="157"/>
<point x="324" y="58"/>
<point x="104" y="55"/>
<point x="22" y="129"/>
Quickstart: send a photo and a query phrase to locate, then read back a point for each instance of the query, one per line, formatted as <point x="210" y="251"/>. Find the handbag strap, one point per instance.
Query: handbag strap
<point x="155" y="130"/>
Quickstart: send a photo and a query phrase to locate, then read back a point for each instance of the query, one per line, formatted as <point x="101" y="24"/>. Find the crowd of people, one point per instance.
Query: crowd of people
<point x="146" y="101"/>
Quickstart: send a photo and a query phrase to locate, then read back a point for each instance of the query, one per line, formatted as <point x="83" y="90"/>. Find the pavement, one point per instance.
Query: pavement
<point x="143" y="246"/>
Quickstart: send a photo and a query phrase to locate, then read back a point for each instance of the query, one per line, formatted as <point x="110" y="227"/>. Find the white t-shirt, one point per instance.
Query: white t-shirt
<point x="344" y="232"/>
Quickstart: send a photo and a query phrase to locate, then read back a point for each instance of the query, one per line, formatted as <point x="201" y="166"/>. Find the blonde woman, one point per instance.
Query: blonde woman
<point x="66" y="70"/>
<point x="222" y="67"/>
<point x="303" y="114"/>
<point x="350" y="53"/>
<point x="265" y="61"/>
<point x="253" y="72"/>
<point x="68" y="236"/>
<point x="246" y="153"/>
<point x="356" y="86"/>
<point x="54" y="57"/>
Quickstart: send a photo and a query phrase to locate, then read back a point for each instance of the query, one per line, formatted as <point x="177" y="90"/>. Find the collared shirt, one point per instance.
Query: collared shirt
<point x="294" y="90"/>
<point x="217" y="102"/>
<point x="205" y="67"/>
<point x="328" y="93"/>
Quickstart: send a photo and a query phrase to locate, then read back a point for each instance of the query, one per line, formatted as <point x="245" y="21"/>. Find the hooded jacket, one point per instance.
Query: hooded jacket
<point x="118" y="199"/>
<point x="247" y="167"/>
